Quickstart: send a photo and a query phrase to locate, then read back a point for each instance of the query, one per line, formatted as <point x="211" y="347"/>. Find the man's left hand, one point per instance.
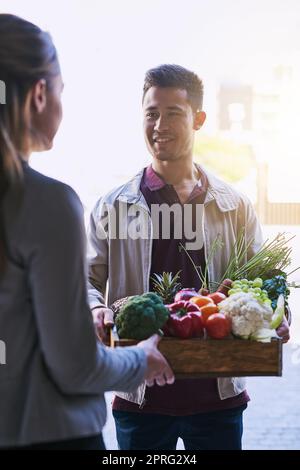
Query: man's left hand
<point x="284" y="330"/>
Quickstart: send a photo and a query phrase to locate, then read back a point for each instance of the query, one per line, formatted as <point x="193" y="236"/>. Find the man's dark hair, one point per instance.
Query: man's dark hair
<point x="169" y="75"/>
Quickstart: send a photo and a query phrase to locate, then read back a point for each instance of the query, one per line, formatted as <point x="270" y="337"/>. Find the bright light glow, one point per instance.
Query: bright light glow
<point x="105" y="49"/>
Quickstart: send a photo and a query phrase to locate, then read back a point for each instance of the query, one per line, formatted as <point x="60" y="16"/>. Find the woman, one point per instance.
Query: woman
<point x="51" y="388"/>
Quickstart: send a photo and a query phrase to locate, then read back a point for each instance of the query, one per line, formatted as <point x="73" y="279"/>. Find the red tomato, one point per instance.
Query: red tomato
<point x="217" y="297"/>
<point x="218" y="326"/>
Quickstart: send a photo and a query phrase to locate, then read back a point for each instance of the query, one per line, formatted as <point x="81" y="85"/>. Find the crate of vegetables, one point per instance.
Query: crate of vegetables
<point x="230" y="332"/>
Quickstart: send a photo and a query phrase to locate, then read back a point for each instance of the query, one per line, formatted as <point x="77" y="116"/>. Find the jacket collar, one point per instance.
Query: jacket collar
<point x="226" y="197"/>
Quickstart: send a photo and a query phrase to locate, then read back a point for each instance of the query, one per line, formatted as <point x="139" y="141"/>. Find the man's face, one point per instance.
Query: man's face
<point x="169" y="123"/>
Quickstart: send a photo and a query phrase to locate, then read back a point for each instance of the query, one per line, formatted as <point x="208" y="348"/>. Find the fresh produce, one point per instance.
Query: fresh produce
<point x="203" y="291"/>
<point x="248" y="313"/>
<point x="141" y="316"/>
<point x="218" y="326"/>
<point x="185" y="320"/>
<point x="208" y="310"/>
<point x="182" y="307"/>
<point x="266" y="333"/>
<point x="263" y="335"/>
<point x="186" y="294"/>
<point x="275" y="287"/>
<point x="201" y="300"/>
<point x="180" y="327"/>
<point x="225" y="286"/>
<point x="264" y="274"/>
<point x="203" y="276"/>
<point x="255" y="287"/>
<point x="273" y="256"/>
<point x="279" y="313"/>
<point x="217" y="297"/>
<point x="166" y="286"/>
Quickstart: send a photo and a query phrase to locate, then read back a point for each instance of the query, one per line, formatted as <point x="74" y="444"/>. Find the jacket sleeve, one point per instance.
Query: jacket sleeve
<point x="55" y="254"/>
<point x="97" y="258"/>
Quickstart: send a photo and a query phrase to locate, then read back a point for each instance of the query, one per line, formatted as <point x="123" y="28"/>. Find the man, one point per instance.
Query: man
<point x="205" y="413"/>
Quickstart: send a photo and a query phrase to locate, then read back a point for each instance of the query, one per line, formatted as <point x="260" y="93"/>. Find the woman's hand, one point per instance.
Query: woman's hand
<point x="158" y="369"/>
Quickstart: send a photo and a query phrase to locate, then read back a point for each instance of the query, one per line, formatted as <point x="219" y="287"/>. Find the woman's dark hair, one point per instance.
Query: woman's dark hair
<point x="27" y="54"/>
<point x="175" y="76"/>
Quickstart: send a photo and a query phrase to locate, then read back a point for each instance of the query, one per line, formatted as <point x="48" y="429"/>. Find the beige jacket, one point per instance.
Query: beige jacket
<point x="123" y="265"/>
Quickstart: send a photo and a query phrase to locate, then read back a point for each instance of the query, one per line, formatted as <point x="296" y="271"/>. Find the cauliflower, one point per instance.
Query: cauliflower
<point x="247" y="313"/>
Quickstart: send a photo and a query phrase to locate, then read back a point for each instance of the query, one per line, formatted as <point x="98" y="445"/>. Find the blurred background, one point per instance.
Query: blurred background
<point x="248" y="55"/>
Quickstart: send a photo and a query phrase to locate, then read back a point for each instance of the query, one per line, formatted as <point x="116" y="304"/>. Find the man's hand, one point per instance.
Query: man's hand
<point x="284" y="330"/>
<point x="103" y="321"/>
<point x="158" y="370"/>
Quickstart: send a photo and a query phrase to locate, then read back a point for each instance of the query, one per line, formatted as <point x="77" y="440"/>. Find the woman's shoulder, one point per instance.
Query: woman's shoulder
<point x="36" y="181"/>
<point x="47" y="192"/>
<point x="43" y="206"/>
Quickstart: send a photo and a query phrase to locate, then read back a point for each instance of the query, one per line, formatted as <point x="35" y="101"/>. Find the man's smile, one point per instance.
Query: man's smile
<point x="162" y="140"/>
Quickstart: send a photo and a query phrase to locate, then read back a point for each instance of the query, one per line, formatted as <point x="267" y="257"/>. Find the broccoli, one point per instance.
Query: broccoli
<point x="141" y="317"/>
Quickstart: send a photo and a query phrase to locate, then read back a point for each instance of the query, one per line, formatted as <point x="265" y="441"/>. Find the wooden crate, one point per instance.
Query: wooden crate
<point x="192" y="358"/>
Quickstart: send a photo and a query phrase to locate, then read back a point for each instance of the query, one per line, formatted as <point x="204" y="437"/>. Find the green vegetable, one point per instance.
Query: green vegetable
<point x="275" y="287"/>
<point x="263" y="335"/>
<point x="273" y="257"/>
<point x="279" y="313"/>
<point x="203" y="276"/>
<point x="141" y="317"/>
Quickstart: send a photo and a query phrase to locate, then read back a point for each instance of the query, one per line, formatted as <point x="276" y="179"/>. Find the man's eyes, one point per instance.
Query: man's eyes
<point x="153" y="115"/>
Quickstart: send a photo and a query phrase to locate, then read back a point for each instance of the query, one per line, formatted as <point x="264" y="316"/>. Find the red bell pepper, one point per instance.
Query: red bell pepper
<point x="185" y="320"/>
<point x="197" y="323"/>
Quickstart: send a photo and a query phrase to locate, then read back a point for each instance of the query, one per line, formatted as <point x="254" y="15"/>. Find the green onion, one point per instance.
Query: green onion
<point x="216" y="244"/>
<point x="273" y="256"/>
<point x="272" y="259"/>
